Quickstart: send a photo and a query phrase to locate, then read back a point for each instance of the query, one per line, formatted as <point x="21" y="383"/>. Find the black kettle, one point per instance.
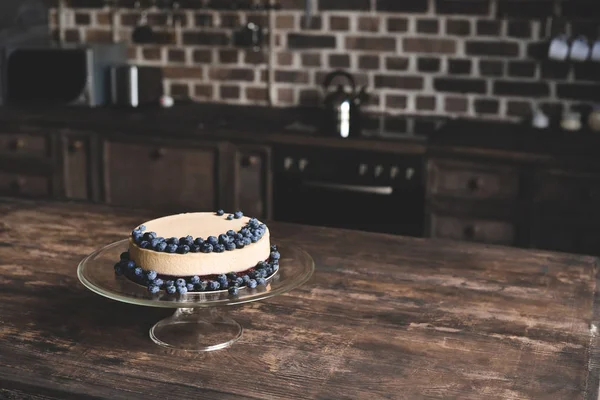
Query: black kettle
<point x="343" y="107"/>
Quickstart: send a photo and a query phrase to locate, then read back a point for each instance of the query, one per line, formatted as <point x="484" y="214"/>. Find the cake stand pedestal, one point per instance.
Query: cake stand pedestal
<point x="199" y="322"/>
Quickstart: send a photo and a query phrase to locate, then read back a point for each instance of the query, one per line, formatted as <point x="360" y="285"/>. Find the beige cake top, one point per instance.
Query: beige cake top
<point x="200" y="225"/>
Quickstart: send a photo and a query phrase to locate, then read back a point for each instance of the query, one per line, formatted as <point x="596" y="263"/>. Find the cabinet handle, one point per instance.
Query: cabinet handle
<point x="18" y="144"/>
<point x="18" y="184"/>
<point x="469" y="231"/>
<point x="473" y="184"/>
<point x="249" y="161"/>
<point x="75" y="146"/>
<point x="158" y="153"/>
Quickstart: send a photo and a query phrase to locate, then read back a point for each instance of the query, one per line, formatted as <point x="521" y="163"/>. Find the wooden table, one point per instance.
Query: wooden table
<point x="384" y="318"/>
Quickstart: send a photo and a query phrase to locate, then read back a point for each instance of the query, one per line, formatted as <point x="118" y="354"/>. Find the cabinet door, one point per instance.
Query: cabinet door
<point x="472" y="229"/>
<point x="76" y="167"/>
<point x="253" y="177"/>
<point x="166" y="178"/>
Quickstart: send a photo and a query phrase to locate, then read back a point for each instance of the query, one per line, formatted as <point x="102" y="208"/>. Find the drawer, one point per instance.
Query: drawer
<point x="472" y="181"/>
<point x="469" y="229"/>
<point x="567" y="189"/>
<point x="25" y="144"/>
<point x="22" y="185"/>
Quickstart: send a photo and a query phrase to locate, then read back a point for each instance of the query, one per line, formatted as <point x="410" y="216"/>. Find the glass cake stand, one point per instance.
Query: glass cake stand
<point x="198" y="323"/>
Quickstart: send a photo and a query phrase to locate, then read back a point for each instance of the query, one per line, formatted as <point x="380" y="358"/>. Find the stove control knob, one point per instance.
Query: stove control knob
<point x="378" y="170"/>
<point x="394" y="172"/>
<point x="362" y="169"/>
<point x="302" y="164"/>
<point x="287" y="162"/>
<point x="410" y="172"/>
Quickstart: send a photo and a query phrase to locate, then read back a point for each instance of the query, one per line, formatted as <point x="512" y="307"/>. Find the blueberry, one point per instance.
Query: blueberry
<point x="275" y="267"/>
<point x="169" y="283"/>
<point x="171" y="248"/>
<point x="180" y="282"/>
<point x="247" y="241"/>
<point x="220" y="212"/>
<point x="154" y="242"/>
<point x="261" y="265"/>
<point x="138" y="271"/>
<point x="137" y="236"/>
<point x="201" y="286"/>
<point x="239" y="244"/>
<point x="260" y="273"/>
<point x="230" y="217"/>
<point x="219" y="248"/>
<point x="158" y="282"/>
<point x="173" y="240"/>
<point x="230" y="246"/>
<point x="171" y="289"/>
<point x="162" y="246"/>
<point x="238" y="214"/>
<point x="275" y="255"/>
<point x="245" y="232"/>
<point x="195" y="279"/>
<point x="233" y="291"/>
<point x="149" y="236"/>
<point x="273" y="247"/>
<point x="125" y="255"/>
<point x="199" y="241"/>
<point x="232" y="275"/>
<point x="182" y="289"/>
<point x="251" y="283"/>
<point x="183" y="249"/>
<point x="187" y="240"/>
<point x="118" y="269"/>
<point x="245" y="278"/>
<point x="268" y="272"/>
<point x="239" y="236"/>
<point x="223" y="238"/>
<point x="231" y="232"/>
<point x="206" y="248"/>
<point x="253" y="223"/>
<point x="238" y="281"/>
<point x="151" y="275"/>
<point x="213" y="285"/>
<point x="254" y="238"/>
<point x="224" y="284"/>
<point x="190" y="287"/>
<point x="212" y="240"/>
<point x="221" y="278"/>
<point x="142" y="228"/>
<point x="253" y="274"/>
<point x="144" y="244"/>
<point x="130" y="264"/>
<point x="195" y="248"/>
<point x="153" y="289"/>
<point x="261" y="282"/>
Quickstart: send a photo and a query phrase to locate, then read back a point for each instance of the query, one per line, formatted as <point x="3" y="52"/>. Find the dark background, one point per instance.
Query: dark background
<point x="22" y="21"/>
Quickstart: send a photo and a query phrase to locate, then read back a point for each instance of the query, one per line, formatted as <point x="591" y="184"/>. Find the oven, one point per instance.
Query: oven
<point x="364" y="190"/>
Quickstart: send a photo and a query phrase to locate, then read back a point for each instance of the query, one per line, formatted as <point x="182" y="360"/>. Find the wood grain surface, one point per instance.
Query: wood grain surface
<point x="383" y="318"/>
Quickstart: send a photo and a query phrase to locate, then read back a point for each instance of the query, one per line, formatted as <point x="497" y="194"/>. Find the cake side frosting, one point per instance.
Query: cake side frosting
<point x="200" y="227"/>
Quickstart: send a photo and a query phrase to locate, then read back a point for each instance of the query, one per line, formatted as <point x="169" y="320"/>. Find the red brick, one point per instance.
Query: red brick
<point x="429" y="45"/>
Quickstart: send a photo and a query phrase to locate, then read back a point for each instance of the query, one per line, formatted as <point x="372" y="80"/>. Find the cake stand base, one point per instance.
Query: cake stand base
<point x="196" y="330"/>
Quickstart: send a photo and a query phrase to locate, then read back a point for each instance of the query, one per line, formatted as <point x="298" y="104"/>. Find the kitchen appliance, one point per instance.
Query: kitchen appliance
<point x="343" y="106"/>
<point x="68" y="75"/>
<point x="354" y="189"/>
<point x="135" y="86"/>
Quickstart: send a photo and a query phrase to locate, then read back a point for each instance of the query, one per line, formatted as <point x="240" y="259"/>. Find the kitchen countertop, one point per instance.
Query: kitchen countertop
<point x="383" y="317"/>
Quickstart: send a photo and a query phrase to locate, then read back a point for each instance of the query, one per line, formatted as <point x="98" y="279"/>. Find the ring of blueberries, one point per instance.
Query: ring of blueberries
<point x="252" y="232"/>
<point x="251" y="278"/>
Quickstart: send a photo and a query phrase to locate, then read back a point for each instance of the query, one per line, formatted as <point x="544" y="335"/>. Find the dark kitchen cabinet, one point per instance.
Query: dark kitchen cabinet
<point x="472" y="229"/>
<point x="162" y="176"/>
<point x="253" y="180"/>
<point x="78" y="167"/>
<point x="25" y="145"/>
<point x="26" y="185"/>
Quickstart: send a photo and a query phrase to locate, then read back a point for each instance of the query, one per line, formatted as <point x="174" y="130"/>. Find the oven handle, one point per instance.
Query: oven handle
<point x="382" y="190"/>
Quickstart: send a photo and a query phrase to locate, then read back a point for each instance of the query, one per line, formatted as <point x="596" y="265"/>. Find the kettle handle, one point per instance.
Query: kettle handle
<point x="334" y="74"/>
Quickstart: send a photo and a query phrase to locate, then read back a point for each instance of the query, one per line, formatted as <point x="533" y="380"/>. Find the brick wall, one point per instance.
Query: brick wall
<point x="478" y="58"/>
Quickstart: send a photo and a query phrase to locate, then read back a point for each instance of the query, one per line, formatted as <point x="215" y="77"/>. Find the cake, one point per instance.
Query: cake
<point x="202" y="251"/>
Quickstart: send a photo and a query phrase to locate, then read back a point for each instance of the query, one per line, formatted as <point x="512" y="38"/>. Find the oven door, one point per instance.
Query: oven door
<point x="386" y="209"/>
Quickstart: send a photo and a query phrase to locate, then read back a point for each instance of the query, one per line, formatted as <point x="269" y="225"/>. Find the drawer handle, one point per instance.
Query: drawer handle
<point x="469" y="231"/>
<point x="158" y="153"/>
<point x="18" y="144"/>
<point x="249" y="161"/>
<point x="473" y="184"/>
<point x="18" y="184"/>
<point x="75" y="146"/>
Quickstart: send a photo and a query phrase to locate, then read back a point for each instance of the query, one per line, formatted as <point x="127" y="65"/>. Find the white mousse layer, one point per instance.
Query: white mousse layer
<point x="198" y="225"/>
